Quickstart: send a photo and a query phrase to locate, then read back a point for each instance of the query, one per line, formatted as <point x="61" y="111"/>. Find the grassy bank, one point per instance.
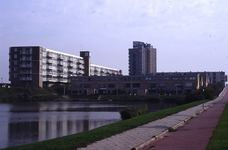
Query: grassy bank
<point x="219" y="140"/>
<point x="82" y="139"/>
<point x="22" y="94"/>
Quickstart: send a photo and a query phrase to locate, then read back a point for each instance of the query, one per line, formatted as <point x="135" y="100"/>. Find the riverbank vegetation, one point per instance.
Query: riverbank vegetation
<point x="128" y="113"/>
<point x="219" y="140"/>
<point x="82" y="139"/>
<point x="25" y="94"/>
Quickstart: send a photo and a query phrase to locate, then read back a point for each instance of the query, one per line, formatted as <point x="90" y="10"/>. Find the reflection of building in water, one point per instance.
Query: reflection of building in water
<point x="22" y="132"/>
<point x="4" y="132"/>
<point x="52" y="129"/>
<point x="48" y="124"/>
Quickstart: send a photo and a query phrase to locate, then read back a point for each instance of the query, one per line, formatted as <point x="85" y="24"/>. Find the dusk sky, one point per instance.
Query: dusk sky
<point x="189" y="35"/>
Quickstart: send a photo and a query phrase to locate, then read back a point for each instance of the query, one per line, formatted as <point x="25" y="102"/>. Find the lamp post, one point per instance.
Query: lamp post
<point x="203" y="99"/>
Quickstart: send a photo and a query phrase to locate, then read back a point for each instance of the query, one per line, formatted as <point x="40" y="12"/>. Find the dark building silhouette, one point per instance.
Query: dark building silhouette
<point x="142" y="59"/>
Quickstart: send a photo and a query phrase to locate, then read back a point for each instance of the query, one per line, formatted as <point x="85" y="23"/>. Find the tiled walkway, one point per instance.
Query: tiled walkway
<point x="141" y="136"/>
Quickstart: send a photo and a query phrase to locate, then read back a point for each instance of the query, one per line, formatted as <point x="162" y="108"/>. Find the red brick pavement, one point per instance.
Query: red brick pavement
<point x="194" y="134"/>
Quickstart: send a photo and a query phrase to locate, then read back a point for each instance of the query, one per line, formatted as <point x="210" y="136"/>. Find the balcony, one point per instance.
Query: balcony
<point x="26" y="52"/>
<point x="49" y="73"/>
<point x="26" y="78"/>
<point x="50" y="61"/>
<point x="80" y="72"/>
<point x="80" y="67"/>
<point x="51" y="80"/>
<point x="60" y="74"/>
<point x="60" y="63"/>
<point x="60" y="57"/>
<point x="50" y="67"/>
<point x="70" y="59"/>
<point x="63" y="80"/>
<point x="54" y="74"/>
<point x="65" y="75"/>
<point x="50" y="55"/>
<point x="80" y="61"/>
<point x="70" y="70"/>
<point x="64" y="58"/>
<point x="60" y="69"/>
<point x="25" y="65"/>
<point x="71" y="64"/>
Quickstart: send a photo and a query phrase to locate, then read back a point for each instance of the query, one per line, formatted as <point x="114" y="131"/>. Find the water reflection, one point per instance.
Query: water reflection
<point x="22" y="123"/>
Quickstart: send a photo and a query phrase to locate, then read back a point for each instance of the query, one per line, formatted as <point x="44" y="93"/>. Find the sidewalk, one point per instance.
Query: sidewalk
<point x="195" y="134"/>
<point x="141" y="136"/>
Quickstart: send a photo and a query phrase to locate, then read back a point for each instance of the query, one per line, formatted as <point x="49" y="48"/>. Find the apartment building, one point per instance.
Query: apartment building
<point x="142" y="59"/>
<point x="39" y="66"/>
<point x="157" y="83"/>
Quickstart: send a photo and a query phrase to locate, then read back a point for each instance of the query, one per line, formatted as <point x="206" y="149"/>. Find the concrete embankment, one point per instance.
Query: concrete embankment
<point x="141" y="136"/>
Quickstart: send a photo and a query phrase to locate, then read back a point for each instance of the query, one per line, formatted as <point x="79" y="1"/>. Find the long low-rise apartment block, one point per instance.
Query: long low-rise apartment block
<point x="157" y="83"/>
<point x="38" y="66"/>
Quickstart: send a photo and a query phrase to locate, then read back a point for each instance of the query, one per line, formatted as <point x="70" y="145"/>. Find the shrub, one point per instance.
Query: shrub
<point x="128" y="113"/>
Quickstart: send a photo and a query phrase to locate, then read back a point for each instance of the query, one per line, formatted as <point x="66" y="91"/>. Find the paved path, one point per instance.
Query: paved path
<point x="143" y="135"/>
<point x="195" y="134"/>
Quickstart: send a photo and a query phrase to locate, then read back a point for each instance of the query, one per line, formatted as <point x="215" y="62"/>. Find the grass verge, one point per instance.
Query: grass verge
<point x="82" y="139"/>
<point x="219" y="140"/>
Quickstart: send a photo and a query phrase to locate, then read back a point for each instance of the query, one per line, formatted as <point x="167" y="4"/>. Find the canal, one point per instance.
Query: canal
<point x="23" y="123"/>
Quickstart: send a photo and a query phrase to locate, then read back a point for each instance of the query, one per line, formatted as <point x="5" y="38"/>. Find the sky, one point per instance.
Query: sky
<point x="189" y="35"/>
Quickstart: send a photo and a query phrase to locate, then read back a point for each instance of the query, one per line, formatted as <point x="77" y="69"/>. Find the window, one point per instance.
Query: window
<point x="90" y="79"/>
<point x="127" y="85"/>
<point x="15" y="75"/>
<point x="188" y="84"/>
<point x="151" y="85"/>
<point x="154" y="78"/>
<point x="15" y="68"/>
<point x="148" y="78"/>
<point x="102" y="85"/>
<point x="111" y="85"/>
<point x="140" y="78"/>
<point x="161" y="84"/>
<point x="123" y="79"/>
<point x="78" y="85"/>
<point x="114" y="78"/>
<point x="15" y="62"/>
<point x="15" y="55"/>
<point x="192" y="78"/>
<point x="136" y="85"/>
<point x="174" y="78"/>
<point x="178" y="84"/>
<point x="87" y="85"/>
<point x="15" y="49"/>
<point x="166" y="78"/>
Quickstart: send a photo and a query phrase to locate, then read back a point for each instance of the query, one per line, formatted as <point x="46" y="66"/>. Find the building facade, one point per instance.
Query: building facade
<point x="158" y="83"/>
<point x="36" y="66"/>
<point x="142" y="59"/>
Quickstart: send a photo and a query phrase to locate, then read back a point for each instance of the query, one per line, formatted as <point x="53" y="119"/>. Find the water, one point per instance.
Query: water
<point x="22" y="123"/>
